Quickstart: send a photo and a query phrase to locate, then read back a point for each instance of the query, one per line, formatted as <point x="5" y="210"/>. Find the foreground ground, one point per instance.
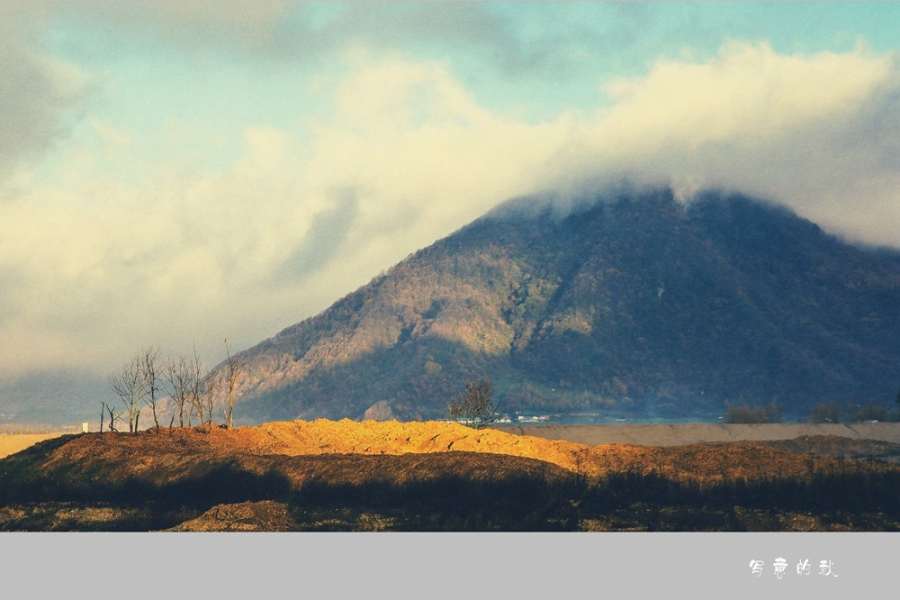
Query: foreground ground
<point x="325" y="475"/>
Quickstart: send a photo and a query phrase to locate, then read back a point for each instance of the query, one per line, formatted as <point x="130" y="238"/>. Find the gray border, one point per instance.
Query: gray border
<point x="419" y="565"/>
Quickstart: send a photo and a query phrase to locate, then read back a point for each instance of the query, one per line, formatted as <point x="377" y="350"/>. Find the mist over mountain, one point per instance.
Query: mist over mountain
<point x="635" y="305"/>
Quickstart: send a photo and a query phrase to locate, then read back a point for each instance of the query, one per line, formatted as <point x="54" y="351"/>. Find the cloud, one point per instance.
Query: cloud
<point x="423" y="155"/>
<point x="105" y="266"/>
<point x="748" y="93"/>
<point x="184" y="255"/>
<point x="38" y="92"/>
<point x="328" y="231"/>
<point x="406" y="154"/>
<point x="817" y="133"/>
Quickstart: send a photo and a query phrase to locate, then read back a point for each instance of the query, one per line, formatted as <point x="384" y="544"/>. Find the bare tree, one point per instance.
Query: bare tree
<point x="235" y="368"/>
<point x="113" y="417"/>
<point x="131" y="386"/>
<point x="191" y="390"/>
<point x="150" y="370"/>
<point x="203" y="393"/>
<point x="210" y="396"/>
<point x="178" y="377"/>
<point x="475" y="408"/>
<point x="195" y="388"/>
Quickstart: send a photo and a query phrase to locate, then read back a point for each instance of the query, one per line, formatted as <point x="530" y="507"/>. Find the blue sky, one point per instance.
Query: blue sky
<point x="173" y="173"/>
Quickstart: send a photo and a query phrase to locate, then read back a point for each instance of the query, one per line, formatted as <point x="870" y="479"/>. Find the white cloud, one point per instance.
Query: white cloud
<point x="748" y="93"/>
<point x="103" y="267"/>
<point x="817" y="133"/>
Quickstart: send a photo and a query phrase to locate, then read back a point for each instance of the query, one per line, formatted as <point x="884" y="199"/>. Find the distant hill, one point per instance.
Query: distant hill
<point x="52" y="398"/>
<point x="635" y="306"/>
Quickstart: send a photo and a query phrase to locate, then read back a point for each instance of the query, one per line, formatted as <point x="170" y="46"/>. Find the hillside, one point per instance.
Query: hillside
<point x="325" y="475"/>
<point x="638" y="305"/>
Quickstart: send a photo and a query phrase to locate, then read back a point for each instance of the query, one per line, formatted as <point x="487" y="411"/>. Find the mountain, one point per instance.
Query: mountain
<point x="51" y="398"/>
<point x="638" y="305"/>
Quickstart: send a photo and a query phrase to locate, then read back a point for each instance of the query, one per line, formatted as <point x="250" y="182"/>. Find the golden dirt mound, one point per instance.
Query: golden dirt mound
<point x="172" y="454"/>
<point x="370" y="476"/>
<point x="737" y="459"/>
<point x="392" y="438"/>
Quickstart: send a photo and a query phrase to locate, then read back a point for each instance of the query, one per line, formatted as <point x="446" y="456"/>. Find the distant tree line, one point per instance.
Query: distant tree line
<point x="773" y="412"/>
<point x="824" y="412"/>
<point x="180" y="385"/>
<point x="833" y="412"/>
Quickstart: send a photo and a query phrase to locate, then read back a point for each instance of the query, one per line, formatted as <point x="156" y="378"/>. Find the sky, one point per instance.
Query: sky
<point x="178" y="173"/>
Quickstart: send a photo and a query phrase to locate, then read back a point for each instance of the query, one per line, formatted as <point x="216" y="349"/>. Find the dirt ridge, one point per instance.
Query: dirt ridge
<point x="392" y="438"/>
<point x="347" y="475"/>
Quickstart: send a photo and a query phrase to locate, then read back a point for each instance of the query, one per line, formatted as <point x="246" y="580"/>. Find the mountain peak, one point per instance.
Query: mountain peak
<point x="635" y="305"/>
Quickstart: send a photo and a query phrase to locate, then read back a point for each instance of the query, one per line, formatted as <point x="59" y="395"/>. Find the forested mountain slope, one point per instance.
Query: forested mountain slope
<point x="636" y="305"/>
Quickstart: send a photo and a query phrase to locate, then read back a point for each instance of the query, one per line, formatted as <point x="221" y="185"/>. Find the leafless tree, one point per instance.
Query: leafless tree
<point x="149" y="359"/>
<point x="203" y="393"/>
<point x="131" y="386"/>
<point x="191" y="390"/>
<point x="195" y="388"/>
<point x="234" y="369"/>
<point x="113" y="417"/>
<point x="210" y="396"/>
<point x="178" y="375"/>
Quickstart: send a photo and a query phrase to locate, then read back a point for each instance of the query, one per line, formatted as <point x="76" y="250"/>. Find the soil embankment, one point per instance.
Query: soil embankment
<point x="351" y="476"/>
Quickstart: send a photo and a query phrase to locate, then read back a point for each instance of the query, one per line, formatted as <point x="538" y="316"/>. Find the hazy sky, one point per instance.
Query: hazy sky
<point x="175" y="173"/>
